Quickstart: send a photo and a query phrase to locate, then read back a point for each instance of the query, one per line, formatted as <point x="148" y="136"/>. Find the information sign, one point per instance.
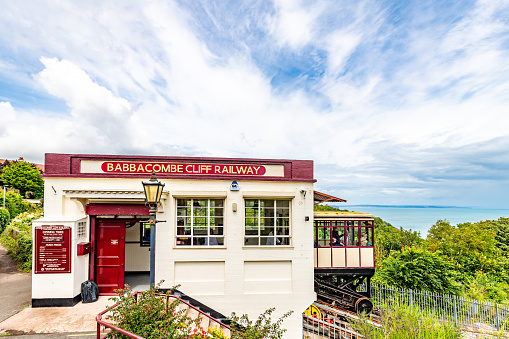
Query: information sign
<point x="52" y="249"/>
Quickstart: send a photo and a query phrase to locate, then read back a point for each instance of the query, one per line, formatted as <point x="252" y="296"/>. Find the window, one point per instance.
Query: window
<point x="144" y="234"/>
<point x="200" y="222"/>
<point x="350" y="233"/>
<point x="267" y="222"/>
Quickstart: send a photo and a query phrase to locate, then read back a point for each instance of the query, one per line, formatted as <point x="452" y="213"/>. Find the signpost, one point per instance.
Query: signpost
<point x="52" y="249"/>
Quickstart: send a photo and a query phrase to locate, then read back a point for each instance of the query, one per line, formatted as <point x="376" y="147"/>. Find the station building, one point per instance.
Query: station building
<point x="235" y="234"/>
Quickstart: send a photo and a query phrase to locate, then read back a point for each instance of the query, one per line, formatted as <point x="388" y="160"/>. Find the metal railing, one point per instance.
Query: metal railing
<point x="461" y="311"/>
<point x="314" y="328"/>
<point x="112" y="327"/>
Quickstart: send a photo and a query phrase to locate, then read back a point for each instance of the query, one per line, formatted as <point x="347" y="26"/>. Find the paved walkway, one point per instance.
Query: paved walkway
<point x="17" y="317"/>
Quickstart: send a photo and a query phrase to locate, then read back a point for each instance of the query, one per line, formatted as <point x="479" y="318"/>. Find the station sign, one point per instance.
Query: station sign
<point x="183" y="168"/>
<point x="52" y="249"/>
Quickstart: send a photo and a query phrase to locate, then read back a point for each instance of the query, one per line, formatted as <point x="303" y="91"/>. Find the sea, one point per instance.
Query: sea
<point x="421" y="218"/>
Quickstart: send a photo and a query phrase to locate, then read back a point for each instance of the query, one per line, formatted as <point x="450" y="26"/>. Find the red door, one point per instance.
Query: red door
<point x="110" y="255"/>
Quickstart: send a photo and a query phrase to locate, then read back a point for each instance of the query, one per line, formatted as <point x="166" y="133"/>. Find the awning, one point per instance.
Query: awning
<point x="322" y="197"/>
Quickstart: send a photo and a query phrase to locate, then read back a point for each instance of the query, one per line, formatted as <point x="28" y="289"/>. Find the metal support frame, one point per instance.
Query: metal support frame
<point x="152" y="221"/>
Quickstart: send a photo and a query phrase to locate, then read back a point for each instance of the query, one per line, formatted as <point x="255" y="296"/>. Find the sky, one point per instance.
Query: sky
<point x="396" y="102"/>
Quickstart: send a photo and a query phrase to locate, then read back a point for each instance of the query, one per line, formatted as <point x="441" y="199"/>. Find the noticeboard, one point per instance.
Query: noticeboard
<point x="52" y="249"/>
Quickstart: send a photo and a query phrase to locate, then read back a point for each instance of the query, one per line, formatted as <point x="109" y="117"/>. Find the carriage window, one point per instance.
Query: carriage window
<point x="352" y="237"/>
<point x="200" y="222"/>
<point x="366" y="236"/>
<point x="338" y="236"/>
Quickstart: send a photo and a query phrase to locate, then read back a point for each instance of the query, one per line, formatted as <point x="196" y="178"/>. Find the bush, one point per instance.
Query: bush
<point x="20" y="247"/>
<point x="5" y="217"/>
<point x="263" y="328"/>
<point x="149" y="315"/>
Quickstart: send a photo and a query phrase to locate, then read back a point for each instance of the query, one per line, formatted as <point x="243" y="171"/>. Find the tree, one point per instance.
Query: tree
<point x="419" y="269"/>
<point x="23" y="176"/>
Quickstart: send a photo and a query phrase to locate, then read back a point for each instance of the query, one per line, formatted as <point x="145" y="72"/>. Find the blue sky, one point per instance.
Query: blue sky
<point x="397" y="102"/>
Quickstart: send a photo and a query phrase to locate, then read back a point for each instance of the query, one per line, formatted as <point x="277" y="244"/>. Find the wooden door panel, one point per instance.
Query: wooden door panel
<point x="110" y="255"/>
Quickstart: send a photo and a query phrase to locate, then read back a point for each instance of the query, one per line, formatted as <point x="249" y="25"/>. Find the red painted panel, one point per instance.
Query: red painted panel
<point x="110" y="255"/>
<point x="52" y="249"/>
<point x="68" y="165"/>
<point x="116" y="209"/>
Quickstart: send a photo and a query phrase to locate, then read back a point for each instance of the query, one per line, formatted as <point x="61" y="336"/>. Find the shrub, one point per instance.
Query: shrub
<point x="20" y="247"/>
<point x="5" y="217"/>
<point x="149" y="315"/>
<point x="263" y="328"/>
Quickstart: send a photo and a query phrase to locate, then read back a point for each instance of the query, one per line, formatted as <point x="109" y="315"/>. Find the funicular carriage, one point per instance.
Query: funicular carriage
<point x="344" y="256"/>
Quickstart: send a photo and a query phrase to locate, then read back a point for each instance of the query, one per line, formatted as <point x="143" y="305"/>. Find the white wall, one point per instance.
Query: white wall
<point x="235" y="278"/>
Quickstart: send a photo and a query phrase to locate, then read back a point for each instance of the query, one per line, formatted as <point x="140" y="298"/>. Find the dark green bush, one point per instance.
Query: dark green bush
<point x="5" y="217"/>
<point x="20" y="246"/>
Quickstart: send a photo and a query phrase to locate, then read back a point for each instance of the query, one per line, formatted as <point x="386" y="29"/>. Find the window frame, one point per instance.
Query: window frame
<point x="355" y="225"/>
<point x="144" y="243"/>
<point x="278" y="240"/>
<point x="192" y="236"/>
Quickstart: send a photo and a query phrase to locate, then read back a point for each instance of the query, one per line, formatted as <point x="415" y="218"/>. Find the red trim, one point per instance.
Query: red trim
<point x="116" y="209"/>
<point x="68" y="165"/>
<point x="92" y="242"/>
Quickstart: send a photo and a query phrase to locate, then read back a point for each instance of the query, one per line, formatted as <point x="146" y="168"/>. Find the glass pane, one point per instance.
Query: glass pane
<point x="216" y="203"/>
<point x="200" y="211"/>
<point x="283" y="231"/>
<point x="202" y="241"/>
<point x="283" y="212"/>
<point x="268" y="241"/>
<point x="200" y="222"/>
<point x="216" y="231"/>
<point x="183" y="211"/>
<point x="213" y="241"/>
<point x="251" y="212"/>
<point x="322" y="223"/>
<point x="350" y="223"/>
<point x="251" y="203"/>
<point x="251" y="230"/>
<point x="216" y="222"/>
<point x="338" y="236"/>
<point x="267" y="203"/>
<point x="283" y="203"/>
<point x="366" y="236"/>
<point x="251" y="241"/>
<point x="338" y="223"/>
<point x="267" y="230"/>
<point x="216" y="212"/>
<point x="183" y="241"/>
<point x="145" y="233"/>
<point x="283" y="221"/>
<point x="353" y="236"/>
<point x="200" y="203"/>
<point x="365" y="223"/>
<point x="283" y="241"/>
<point x="251" y="222"/>
<point x="267" y="222"/>
<point x="184" y="230"/>
<point x="183" y="221"/>
<point x="267" y="212"/>
<point x="183" y="202"/>
<point x="323" y="236"/>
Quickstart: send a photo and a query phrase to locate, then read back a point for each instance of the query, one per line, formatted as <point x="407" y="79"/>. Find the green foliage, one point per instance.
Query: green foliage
<point x="327" y="208"/>
<point x="470" y="245"/>
<point x="23" y="176"/>
<point x="262" y="328"/>
<point x="388" y="238"/>
<point x="5" y="217"/>
<point x="487" y="287"/>
<point x="501" y="229"/>
<point x="17" y="239"/>
<point x="418" y="269"/>
<point x="16" y="205"/>
<point x="404" y="322"/>
<point x="149" y="315"/>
